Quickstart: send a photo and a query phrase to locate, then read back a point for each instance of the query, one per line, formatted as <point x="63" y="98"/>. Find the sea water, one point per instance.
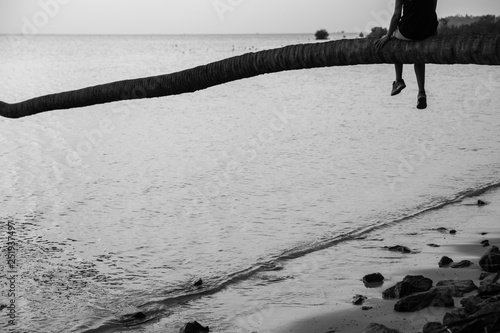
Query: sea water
<point x="119" y="208"/>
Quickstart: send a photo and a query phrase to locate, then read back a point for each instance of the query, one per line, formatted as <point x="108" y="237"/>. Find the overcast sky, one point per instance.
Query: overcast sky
<point x="209" y="16"/>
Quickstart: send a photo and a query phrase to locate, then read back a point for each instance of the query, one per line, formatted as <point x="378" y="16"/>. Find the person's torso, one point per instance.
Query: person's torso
<point x="419" y="19"/>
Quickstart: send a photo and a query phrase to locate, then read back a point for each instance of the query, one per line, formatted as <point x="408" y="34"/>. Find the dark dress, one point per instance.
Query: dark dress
<point x="419" y="19"/>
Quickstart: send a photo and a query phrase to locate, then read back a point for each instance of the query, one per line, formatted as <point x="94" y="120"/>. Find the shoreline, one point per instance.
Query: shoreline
<point x="342" y="316"/>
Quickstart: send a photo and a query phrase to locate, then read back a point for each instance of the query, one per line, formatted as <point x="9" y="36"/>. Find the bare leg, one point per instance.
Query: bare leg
<point x="420" y="74"/>
<point x="399" y="72"/>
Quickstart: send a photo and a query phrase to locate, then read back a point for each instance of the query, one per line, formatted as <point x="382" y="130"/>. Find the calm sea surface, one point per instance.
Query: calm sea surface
<point x="120" y="208"/>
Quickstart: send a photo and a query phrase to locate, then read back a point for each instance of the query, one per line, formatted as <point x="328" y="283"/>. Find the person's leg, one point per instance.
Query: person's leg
<point x="420" y="74"/>
<point x="399" y="84"/>
<point x="399" y="72"/>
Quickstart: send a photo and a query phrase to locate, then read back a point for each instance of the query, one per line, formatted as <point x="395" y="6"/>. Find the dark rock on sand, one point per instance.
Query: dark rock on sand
<point x="373" y="278"/>
<point x="481" y="203"/>
<point x="462" y="264"/>
<point x="410" y="284"/>
<point x="445" y="261"/>
<point x="400" y="290"/>
<point x="490" y="261"/>
<point x="489" y="278"/>
<point x="194" y="327"/>
<point x="484" y="275"/>
<point x="478" y="315"/>
<point x="423" y="300"/>
<point x="398" y="248"/>
<point x="489" y="290"/>
<point x="457" y="288"/>
<point x="358" y="299"/>
<point x="2" y="306"/>
<point x="418" y="283"/>
<point x="489" y="285"/>
<point x="454" y="316"/>
<point x="366" y="308"/>
<point x="433" y="327"/>
<point x="433" y="245"/>
<point x="198" y="283"/>
<point x="453" y="231"/>
<point x="378" y="328"/>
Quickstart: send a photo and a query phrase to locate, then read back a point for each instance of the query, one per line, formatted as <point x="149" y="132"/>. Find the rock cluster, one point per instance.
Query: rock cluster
<point x="478" y="313"/>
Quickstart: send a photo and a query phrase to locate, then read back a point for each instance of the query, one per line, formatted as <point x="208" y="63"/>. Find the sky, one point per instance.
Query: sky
<point x="209" y="16"/>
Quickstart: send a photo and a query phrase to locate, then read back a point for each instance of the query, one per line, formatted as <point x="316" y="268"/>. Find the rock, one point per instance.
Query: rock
<point x="423" y="300"/>
<point x="489" y="290"/>
<point x="373" y="278"/>
<point x="433" y="327"/>
<point x="2" y="306"/>
<point x="462" y="264"/>
<point x="471" y="304"/>
<point x="481" y="203"/>
<point x="358" y="299"/>
<point x="194" y="327"/>
<point x="400" y="290"/>
<point x="445" y="261"/>
<point x="453" y="231"/>
<point x="486" y="244"/>
<point x="489" y="278"/>
<point x="418" y="283"/>
<point x="490" y="323"/>
<point x="198" y="283"/>
<point x="457" y="288"/>
<point x="477" y="316"/>
<point x="398" y="248"/>
<point x="378" y="328"/>
<point x="366" y="308"/>
<point x="454" y="316"/>
<point x="490" y="261"/>
<point x="433" y="245"/>
<point x="441" y="229"/>
<point x="410" y="284"/>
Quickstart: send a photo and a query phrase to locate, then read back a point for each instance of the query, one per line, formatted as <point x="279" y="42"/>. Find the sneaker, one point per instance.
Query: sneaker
<point x="421" y="101"/>
<point x="397" y="86"/>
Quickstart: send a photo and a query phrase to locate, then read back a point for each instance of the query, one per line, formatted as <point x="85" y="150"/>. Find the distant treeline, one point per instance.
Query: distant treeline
<point x="469" y="24"/>
<point x="458" y="25"/>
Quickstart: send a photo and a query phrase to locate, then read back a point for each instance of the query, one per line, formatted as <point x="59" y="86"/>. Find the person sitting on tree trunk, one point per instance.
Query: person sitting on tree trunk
<point x="412" y="20"/>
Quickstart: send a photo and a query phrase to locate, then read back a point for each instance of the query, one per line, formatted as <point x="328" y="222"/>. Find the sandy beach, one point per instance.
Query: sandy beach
<point x="481" y="224"/>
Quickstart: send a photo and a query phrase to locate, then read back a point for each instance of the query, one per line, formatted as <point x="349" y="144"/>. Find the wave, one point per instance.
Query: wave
<point x="163" y="305"/>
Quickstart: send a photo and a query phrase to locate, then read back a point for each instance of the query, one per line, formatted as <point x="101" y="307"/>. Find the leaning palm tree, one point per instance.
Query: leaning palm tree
<point x="456" y="49"/>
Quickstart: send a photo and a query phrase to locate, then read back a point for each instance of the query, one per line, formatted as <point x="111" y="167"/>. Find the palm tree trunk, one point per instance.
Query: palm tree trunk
<point x="454" y="49"/>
